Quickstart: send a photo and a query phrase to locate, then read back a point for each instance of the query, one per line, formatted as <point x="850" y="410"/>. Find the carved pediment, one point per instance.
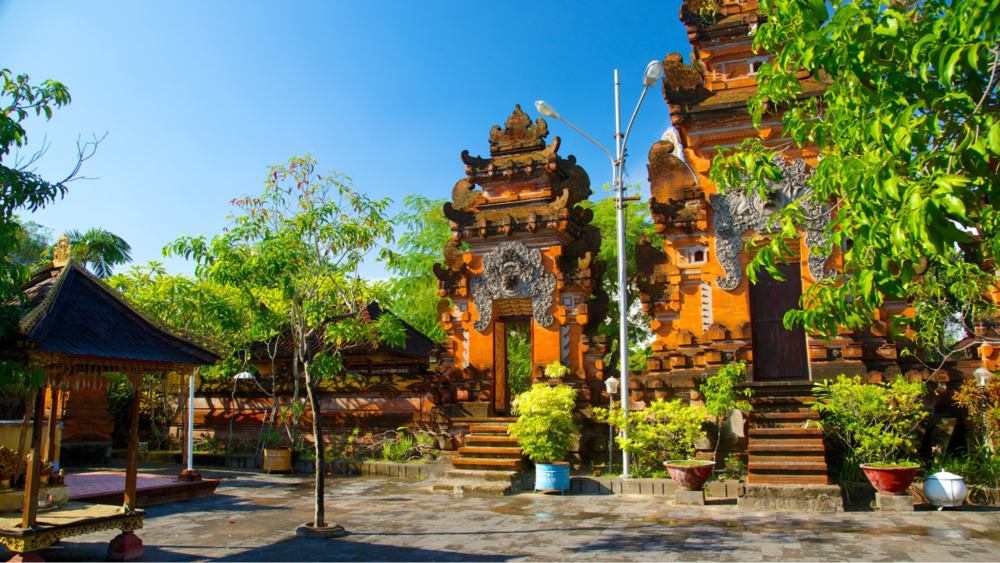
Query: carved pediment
<point x="513" y="271"/>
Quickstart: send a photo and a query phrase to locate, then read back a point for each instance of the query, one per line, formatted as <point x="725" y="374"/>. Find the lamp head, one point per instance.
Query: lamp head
<point x="611" y="384"/>
<point x="545" y="109"/>
<point x="243" y="375"/>
<point x="983" y="376"/>
<point x="654" y="71"/>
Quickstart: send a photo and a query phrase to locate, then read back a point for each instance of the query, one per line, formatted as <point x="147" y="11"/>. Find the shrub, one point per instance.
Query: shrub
<point x="556" y="370"/>
<point x="874" y="423"/>
<point x="983" y="406"/>
<point x="662" y="432"/>
<point x="722" y="396"/>
<point x="545" y="427"/>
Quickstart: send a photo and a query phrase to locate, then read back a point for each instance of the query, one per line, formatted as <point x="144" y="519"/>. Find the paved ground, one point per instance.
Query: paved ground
<point x="253" y="516"/>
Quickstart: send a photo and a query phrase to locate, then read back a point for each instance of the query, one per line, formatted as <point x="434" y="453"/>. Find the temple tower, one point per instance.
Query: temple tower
<point x="522" y="252"/>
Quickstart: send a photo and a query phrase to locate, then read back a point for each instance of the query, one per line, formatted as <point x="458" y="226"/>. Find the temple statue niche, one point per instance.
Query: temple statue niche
<point x="522" y="253"/>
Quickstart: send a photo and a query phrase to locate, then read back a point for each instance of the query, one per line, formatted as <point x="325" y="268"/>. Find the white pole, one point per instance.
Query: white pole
<point x="190" y="436"/>
<point x="622" y="278"/>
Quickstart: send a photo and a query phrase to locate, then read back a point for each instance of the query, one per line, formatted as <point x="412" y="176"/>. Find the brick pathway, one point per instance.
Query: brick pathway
<point x="253" y="516"/>
<point x="92" y="483"/>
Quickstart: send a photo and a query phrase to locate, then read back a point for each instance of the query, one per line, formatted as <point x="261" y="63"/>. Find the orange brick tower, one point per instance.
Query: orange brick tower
<point x="522" y="251"/>
<point x="705" y="312"/>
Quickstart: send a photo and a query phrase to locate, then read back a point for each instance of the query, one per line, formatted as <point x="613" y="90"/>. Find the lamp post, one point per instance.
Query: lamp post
<point x="654" y="70"/>
<point x="983" y="377"/>
<point x="611" y="384"/>
<point x="190" y="474"/>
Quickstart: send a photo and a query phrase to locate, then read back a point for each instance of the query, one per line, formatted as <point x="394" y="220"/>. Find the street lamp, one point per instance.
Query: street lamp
<point x="654" y="71"/>
<point x="983" y="376"/>
<point x="611" y="384"/>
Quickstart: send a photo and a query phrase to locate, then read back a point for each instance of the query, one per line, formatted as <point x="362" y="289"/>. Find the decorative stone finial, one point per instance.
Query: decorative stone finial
<point x="518" y="134"/>
<point x="62" y="252"/>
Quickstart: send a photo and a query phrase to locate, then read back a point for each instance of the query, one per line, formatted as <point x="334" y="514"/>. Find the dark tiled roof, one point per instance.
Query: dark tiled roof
<point x="86" y="318"/>
<point x="417" y="344"/>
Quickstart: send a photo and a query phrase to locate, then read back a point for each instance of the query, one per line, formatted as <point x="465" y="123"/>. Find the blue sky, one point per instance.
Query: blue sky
<point x="198" y="98"/>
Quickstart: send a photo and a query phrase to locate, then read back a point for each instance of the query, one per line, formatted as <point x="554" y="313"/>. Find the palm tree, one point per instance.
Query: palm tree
<point x="101" y="250"/>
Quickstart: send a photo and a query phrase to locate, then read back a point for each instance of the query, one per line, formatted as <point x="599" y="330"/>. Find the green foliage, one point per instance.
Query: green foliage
<point x="556" y="370"/>
<point x="99" y="249"/>
<point x="209" y="445"/>
<point x="637" y="224"/>
<point x="545" y="427"/>
<point x="518" y="357"/>
<point x="979" y="465"/>
<point x="638" y="355"/>
<point x="721" y="394"/>
<point x="910" y="145"/>
<point x="983" y="406"/>
<point x="872" y="422"/>
<point x="413" y="290"/>
<point x="663" y="431"/>
<point x="33" y="241"/>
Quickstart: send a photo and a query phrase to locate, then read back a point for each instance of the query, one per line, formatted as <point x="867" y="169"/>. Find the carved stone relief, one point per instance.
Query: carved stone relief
<point x="512" y="271"/>
<point x="735" y="212"/>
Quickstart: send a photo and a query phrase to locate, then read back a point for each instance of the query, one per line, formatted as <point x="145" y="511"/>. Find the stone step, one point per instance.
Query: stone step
<point x="786" y="457"/>
<point x="780" y="433"/>
<point x="488" y="464"/>
<point x="480" y="452"/>
<point x="783" y="416"/>
<point x="498" y="429"/>
<point x="501" y="441"/>
<point x="767" y="401"/>
<point x="758" y="479"/>
<point x="786" y="446"/>
<point x="465" y="476"/>
<point x="482" y="419"/>
<point x="786" y="466"/>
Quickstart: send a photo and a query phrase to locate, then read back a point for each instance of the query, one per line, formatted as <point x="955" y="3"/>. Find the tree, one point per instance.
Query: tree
<point x="909" y="135"/>
<point x="305" y="237"/>
<point x="100" y="249"/>
<point x="413" y="290"/>
<point x="33" y="241"/>
<point x="22" y="189"/>
<point x="637" y="225"/>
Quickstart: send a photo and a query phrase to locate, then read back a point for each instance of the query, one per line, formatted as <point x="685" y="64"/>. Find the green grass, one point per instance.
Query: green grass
<point x="893" y="464"/>
<point x="689" y="462"/>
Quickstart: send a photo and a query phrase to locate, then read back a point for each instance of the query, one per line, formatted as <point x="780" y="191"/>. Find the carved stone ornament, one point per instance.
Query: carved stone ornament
<point x="735" y="212"/>
<point x="509" y="272"/>
<point x="62" y="252"/>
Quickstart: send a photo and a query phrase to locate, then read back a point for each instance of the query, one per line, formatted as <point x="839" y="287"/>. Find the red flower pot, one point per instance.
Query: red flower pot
<point x="690" y="477"/>
<point x="891" y="480"/>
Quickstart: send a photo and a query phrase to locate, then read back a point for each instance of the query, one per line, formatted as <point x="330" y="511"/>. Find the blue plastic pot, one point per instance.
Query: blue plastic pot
<point x="552" y="476"/>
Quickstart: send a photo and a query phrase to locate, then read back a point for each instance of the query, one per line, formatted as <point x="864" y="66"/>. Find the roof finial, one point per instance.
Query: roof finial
<point x="62" y="252"/>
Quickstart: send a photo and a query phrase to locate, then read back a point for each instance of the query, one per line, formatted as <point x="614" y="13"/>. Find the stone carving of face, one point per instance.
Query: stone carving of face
<point x="509" y="274"/>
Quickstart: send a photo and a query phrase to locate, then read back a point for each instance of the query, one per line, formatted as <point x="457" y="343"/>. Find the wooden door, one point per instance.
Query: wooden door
<point x="778" y="353"/>
<point x="500" y="367"/>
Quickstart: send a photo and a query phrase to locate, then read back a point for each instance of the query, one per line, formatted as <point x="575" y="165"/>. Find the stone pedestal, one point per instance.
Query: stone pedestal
<point x="189" y="475"/>
<point x="691" y="498"/>
<point x="32" y="557"/>
<point x="894" y="503"/>
<point x="125" y="547"/>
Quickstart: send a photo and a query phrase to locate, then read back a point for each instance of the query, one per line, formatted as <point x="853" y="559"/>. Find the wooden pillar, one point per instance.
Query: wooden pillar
<point x="28" y="516"/>
<point x="132" y="458"/>
<point x="50" y="454"/>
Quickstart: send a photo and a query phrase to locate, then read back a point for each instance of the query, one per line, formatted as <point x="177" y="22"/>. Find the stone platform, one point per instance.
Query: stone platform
<point x="109" y="488"/>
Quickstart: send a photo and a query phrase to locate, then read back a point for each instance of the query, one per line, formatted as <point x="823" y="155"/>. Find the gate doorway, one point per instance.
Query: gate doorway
<point x="779" y="354"/>
<point x="513" y="355"/>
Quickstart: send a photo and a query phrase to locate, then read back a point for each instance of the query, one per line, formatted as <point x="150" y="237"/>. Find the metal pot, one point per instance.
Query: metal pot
<point x="945" y="489"/>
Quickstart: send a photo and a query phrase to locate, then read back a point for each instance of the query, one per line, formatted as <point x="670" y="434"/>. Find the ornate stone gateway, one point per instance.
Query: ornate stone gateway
<point x="522" y="250"/>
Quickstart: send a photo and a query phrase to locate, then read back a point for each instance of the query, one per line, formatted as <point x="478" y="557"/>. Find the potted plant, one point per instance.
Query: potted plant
<point x="8" y="466"/>
<point x="664" y="430"/>
<point x="875" y="424"/>
<point x="545" y="430"/>
<point x="556" y="371"/>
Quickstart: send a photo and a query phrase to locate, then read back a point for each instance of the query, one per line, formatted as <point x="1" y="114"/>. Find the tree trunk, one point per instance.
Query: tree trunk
<point x="319" y="519"/>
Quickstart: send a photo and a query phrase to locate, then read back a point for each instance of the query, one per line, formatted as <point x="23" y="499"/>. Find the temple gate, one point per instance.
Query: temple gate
<point x="523" y="253"/>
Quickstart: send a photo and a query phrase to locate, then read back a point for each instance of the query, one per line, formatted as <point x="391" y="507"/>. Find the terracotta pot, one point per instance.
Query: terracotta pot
<point x="5" y="482"/>
<point x="890" y="480"/>
<point x="690" y="477"/>
<point x="44" y="478"/>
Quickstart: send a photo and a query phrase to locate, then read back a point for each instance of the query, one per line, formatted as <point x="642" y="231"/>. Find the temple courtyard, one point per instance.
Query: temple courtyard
<point x="253" y="515"/>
